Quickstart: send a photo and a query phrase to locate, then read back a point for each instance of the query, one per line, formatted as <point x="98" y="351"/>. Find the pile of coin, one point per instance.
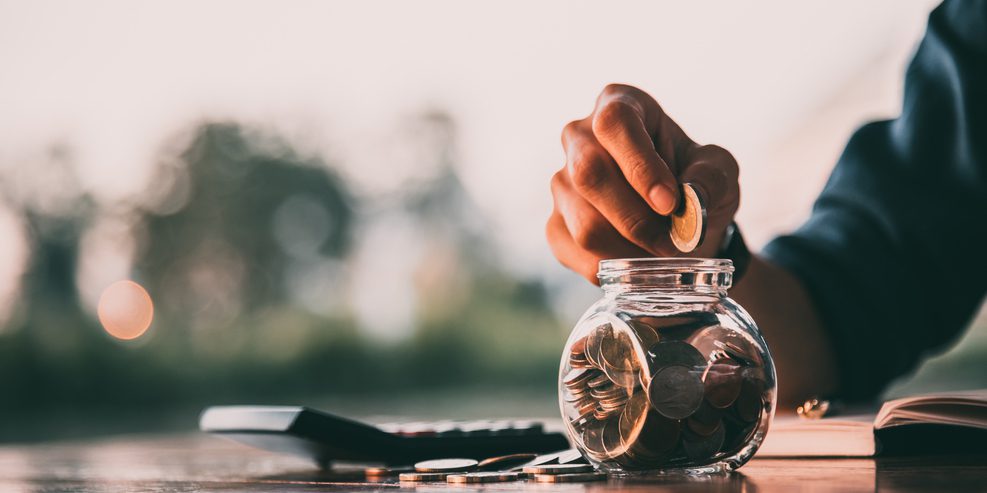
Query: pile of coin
<point x="649" y="392"/>
<point x="557" y="467"/>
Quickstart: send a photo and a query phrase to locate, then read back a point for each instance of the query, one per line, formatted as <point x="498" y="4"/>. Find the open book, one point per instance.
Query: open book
<point x="953" y="422"/>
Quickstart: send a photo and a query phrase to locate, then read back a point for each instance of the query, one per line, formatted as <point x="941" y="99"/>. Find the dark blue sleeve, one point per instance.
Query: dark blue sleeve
<point x="894" y="254"/>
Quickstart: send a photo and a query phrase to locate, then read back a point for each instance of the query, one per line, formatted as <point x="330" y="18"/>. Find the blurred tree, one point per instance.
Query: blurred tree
<point x="248" y="207"/>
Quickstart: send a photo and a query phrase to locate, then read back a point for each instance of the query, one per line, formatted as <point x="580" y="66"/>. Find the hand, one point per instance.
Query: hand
<point x="624" y="166"/>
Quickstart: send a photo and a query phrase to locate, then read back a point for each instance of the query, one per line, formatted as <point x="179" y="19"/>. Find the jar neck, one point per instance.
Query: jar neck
<point x="674" y="276"/>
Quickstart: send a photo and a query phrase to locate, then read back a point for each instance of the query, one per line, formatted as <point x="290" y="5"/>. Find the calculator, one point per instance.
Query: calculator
<point x="326" y="438"/>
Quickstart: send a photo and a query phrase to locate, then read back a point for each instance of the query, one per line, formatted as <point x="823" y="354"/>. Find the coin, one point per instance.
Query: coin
<point x="689" y="220"/>
<point x="483" y="477"/>
<point x="616" y="351"/>
<point x="632" y="418"/>
<point x="593" y="342"/>
<point x="504" y="462"/>
<point x="645" y="333"/>
<point x="446" y="465"/>
<point x="700" y="448"/>
<point x="607" y="392"/>
<point x="676" y="392"/>
<point x="386" y="471"/>
<point x="584" y="409"/>
<point x="705" y="420"/>
<point x="677" y="353"/>
<point x="578" y="347"/>
<point x="593" y="439"/>
<point x="659" y="434"/>
<point x="612" y="442"/>
<point x="722" y="382"/>
<point x="423" y="476"/>
<point x="748" y="404"/>
<point x="570" y="478"/>
<point x="579" y="378"/>
<point x="558" y="469"/>
<point x="601" y="380"/>
<point x="571" y="456"/>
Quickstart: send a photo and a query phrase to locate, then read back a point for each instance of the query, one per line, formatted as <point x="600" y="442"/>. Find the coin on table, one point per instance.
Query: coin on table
<point x="579" y="477"/>
<point x="676" y="392"/>
<point x="483" y="477"/>
<point x="376" y="472"/>
<point x="504" y="462"/>
<point x="446" y="465"/>
<point x="421" y="477"/>
<point x="689" y="220"/>
<point x="558" y="469"/>
<point x="700" y="448"/>
<point x="571" y="456"/>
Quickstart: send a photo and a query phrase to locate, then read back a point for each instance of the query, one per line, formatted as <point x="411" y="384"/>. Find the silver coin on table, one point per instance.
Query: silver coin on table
<point x="688" y="221"/>
<point x="676" y="392"/>
<point x="386" y="471"/>
<point x="570" y="478"/>
<point x="504" y="462"/>
<point x="446" y="465"/>
<point x="483" y="477"/>
<point x="571" y="456"/>
<point x="422" y="477"/>
<point x="558" y="468"/>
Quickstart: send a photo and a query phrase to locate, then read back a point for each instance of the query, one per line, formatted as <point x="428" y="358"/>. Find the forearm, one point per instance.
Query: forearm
<point x="783" y="310"/>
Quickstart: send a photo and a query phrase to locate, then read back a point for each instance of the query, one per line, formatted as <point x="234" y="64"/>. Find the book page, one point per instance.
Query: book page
<point x="950" y="408"/>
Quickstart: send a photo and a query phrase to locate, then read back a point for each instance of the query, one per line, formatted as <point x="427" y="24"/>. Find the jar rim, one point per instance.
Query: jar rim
<point x="618" y="266"/>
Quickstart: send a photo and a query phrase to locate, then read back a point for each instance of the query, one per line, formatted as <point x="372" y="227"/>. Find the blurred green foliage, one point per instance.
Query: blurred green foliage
<point x="234" y="214"/>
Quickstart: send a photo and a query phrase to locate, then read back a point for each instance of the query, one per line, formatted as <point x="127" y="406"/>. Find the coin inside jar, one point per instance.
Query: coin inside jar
<point x="676" y="353"/>
<point x="689" y="220"/>
<point x="593" y="342"/>
<point x="699" y="448"/>
<point x="676" y="392"/>
<point x="722" y="380"/>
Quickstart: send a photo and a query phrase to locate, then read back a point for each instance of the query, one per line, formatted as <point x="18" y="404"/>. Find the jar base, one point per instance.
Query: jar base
<point x="721" y="467"/>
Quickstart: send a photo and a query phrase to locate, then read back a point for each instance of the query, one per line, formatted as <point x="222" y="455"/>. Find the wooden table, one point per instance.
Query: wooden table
<point x="202" y="463"/>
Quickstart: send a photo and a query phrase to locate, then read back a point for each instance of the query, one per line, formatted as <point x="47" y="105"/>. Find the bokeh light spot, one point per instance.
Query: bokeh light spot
<point x="125" y="310"/>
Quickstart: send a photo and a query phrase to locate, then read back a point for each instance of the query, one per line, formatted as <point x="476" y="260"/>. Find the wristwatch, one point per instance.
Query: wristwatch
<point x="735" y="249"/>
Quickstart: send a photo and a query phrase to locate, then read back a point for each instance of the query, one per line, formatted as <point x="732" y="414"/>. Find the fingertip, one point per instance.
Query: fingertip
<point x="663" y="199"/>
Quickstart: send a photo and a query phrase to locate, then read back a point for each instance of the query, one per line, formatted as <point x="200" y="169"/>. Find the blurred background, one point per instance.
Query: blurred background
<point x="341" y="204"/>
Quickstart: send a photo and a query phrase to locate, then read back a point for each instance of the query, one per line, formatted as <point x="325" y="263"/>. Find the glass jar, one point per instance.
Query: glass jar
<point x="665" y="373"/>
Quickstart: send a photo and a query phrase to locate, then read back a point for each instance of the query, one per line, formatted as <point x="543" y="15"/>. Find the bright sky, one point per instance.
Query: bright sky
<point x="779" y="83"/>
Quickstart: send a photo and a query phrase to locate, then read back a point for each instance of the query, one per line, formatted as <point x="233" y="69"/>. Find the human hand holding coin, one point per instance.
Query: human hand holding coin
<point x="632" y="182"/>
